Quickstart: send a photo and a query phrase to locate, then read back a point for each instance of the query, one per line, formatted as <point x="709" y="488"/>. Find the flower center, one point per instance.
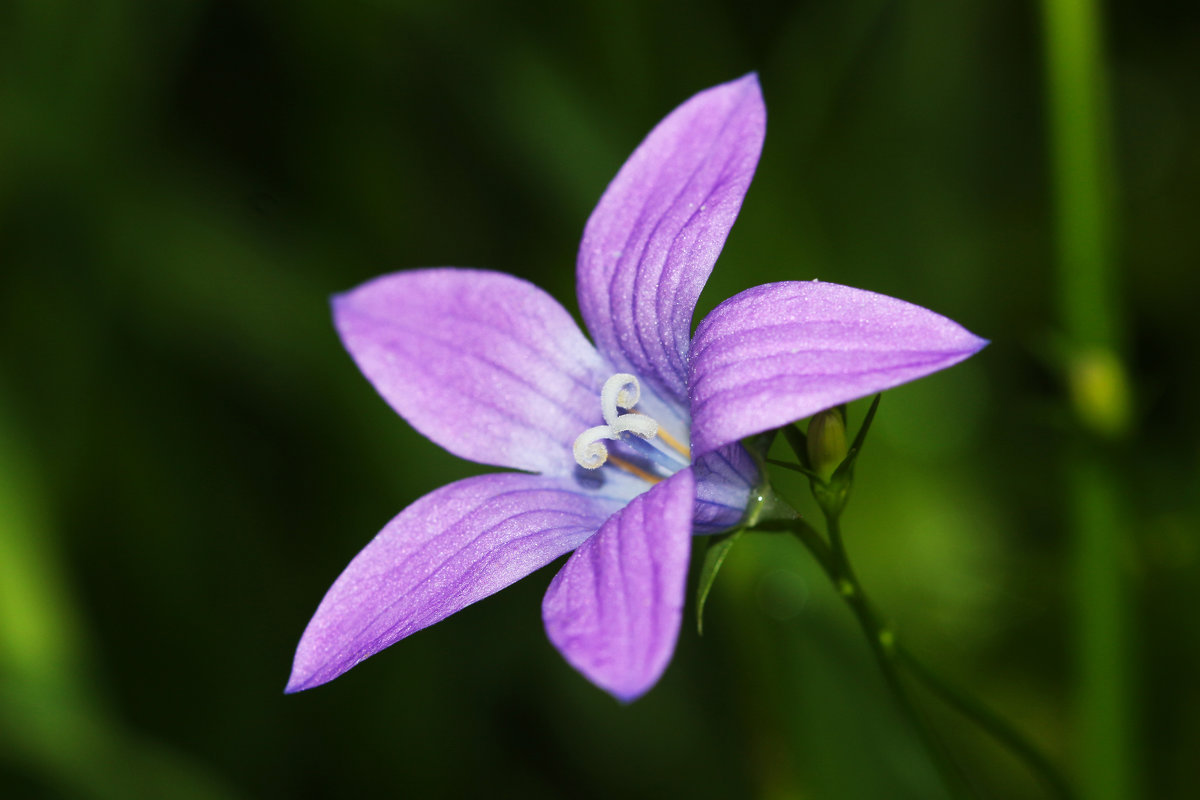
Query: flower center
<point x="655" y="453"/>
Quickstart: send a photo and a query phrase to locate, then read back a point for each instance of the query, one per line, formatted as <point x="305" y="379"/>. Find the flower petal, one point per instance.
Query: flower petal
<point x="784" y="351"/>
<point x="725" y="479"/>
<point x="489" y="366"/>
<point x="614" y="609"/>
<point x="452" y="547"/>
<point x="651" y="243"/>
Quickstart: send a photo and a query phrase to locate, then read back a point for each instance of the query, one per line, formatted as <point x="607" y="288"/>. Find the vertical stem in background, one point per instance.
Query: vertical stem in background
<point x="1083" y="180"/>
<point x="1091" y="319"/>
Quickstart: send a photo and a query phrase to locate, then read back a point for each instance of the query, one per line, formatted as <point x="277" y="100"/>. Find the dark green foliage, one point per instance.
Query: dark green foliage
<point x="188" y="458"/>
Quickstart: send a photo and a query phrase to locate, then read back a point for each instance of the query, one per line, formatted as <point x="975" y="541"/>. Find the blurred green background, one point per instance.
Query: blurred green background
<point x="188" y="458"/>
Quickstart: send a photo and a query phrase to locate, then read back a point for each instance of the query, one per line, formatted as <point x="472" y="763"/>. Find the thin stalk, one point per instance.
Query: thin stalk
<point x="1090" y="310"/>
<point x="892" y="657"/>
<point x="882" y="641"/>
<point x="990" y="722"/>
<point x="1084" y="187"/>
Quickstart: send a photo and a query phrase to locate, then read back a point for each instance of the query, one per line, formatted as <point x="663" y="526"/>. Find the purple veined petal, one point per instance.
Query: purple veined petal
<point x="726" y="479"/>
<point x="614" y="609"/>
<point x="784" y="351"/>
<point x="447" y="550"/>
<point x="651" y="243"/>
<point x="486" y="365"/>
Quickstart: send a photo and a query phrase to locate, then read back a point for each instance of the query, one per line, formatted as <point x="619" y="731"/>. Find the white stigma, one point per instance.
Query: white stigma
<point x="621" y="391"/>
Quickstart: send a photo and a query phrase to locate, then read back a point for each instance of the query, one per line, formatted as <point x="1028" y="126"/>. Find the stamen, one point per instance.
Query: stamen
<point x="636" y="470"/>
<point x="622" y="392"/>
<point x="671" y="441"/>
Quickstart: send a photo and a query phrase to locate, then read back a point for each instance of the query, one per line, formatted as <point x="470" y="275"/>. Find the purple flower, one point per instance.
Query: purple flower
<point x="626" y="448"/>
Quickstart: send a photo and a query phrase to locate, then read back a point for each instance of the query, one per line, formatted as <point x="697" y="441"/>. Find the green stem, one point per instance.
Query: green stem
<point x="892" y="656"/>
<point x="1107" y="738"/>
<point x="883" y="645"/>
<point x="833" y="560"/>
<point x="808" y="536"/>
<point x="990" y="722"/>
<point x="1090" y="310"/>
<point x="1083" y="176"/>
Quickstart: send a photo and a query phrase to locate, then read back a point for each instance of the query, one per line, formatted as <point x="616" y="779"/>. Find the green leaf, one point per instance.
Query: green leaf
<point x="718" y="547"/>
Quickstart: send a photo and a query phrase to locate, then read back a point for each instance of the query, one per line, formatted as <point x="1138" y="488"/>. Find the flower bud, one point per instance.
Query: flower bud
<point x="827" y="441"/>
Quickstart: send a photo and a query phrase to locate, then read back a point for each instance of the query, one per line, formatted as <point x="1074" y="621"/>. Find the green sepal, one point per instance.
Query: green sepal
<point x="845" y="470"/>
<point x="832" y="495"/>
<point x="714" y="556"/>
<point x="798" y="441"/>
<point x="805" y="471"/>
<point x="759" y="444"/>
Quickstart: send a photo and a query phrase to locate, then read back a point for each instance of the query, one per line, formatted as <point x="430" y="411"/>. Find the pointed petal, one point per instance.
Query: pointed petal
<point x="452" y="547"/>
<point x="614" y="609"/>
<point x="487" y="365"/>
<point x="784" y="351"/>
<point x="651" y="243"/>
